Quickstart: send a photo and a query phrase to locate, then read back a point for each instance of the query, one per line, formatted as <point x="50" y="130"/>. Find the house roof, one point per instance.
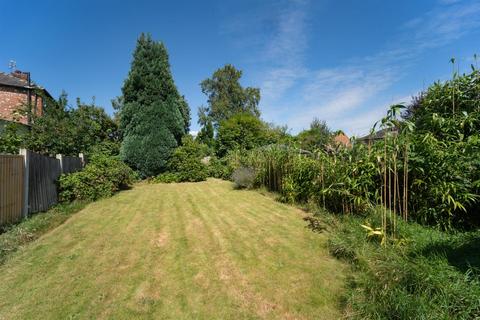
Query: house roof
<point x="378" y="135"/>
<point x="12" y="81"/>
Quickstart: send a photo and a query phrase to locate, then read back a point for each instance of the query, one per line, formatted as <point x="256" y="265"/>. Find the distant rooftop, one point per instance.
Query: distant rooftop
<point x="378" y="135"/>
<point x="19" y="79"/>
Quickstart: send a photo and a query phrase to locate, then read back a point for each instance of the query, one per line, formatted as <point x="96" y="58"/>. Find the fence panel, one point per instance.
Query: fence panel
<point x="71" y="164"/>
<point x="42" y="182"/>
<point x="11" y="188"/>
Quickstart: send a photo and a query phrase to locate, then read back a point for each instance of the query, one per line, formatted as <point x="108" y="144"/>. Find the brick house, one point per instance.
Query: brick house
<point x="17" y="92"/>
<point x="341" y="139"/>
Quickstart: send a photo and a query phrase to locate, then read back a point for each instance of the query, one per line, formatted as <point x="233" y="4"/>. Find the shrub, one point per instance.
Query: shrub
<point x="186" y="161"/>
<point x="166" y="177"/>
<point x="317" y="137"/>
<point x="108" y="148"/>
<point x="243" y="177"/>
<point x="101" y="178"/>
<point x="242" y="131"/>
<point x="219" y="168"/>
<point x="11" y="137"/>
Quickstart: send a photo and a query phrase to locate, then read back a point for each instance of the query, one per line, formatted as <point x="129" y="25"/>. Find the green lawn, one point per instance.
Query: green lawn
<point x="178" y="251"/>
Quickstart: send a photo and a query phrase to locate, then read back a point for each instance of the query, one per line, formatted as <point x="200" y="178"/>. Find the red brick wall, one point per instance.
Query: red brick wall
<point x="12" y="100"/>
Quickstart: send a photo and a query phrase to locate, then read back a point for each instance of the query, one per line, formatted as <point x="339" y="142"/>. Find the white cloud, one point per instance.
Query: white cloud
<point x="445" y="24"/>
<point x="285" y="51"/>
<point x="289" y="42"/>
<point x="343" y="96"/>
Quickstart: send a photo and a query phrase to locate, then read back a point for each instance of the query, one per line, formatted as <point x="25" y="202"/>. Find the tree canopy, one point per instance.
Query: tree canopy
<point x="207" y="135"/>
<point x="317" y="137"/>
<point x="226" y="97"/>
<point x="242" y="131"/>
<point x="69" y="131"/>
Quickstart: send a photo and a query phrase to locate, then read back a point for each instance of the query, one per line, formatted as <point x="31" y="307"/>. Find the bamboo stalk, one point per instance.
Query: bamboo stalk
<point x="390" y="190"/>
<point x="394" y="191"/>
<point x="384" y="220"/>
<point x="406" y="183"/>
<point x="323" y="186"/>
<point x="400" y="209"/>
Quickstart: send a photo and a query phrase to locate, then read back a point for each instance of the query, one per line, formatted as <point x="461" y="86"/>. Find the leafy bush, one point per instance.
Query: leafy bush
<point x="186" y="161"/>
<point x="107" y="147"/>
<point x="166" y="177"/>
<point x="345" y="182"/>
<point x="67" y="131"/>
<point x="243" y="177"/>
<point x="11" y="137"/>
<point x="317" y="137"/>
<point x="101" y="178"/>
<point x="219" y="168"/>
<point x="241" y="132"/>
<point x="445" y="180"/>
<point x="272" y="163"/>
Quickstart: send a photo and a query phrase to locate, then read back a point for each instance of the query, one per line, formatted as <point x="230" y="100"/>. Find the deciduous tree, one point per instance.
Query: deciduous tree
<point x="226" y="97"/>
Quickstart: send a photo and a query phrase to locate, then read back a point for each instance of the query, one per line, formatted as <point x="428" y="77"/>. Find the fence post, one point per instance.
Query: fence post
<point x="82" y="159"/>
<point x="60" y="158"/>
<point x="26" y="171"/>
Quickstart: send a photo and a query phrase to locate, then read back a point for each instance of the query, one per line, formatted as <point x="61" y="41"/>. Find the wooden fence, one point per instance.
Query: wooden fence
<point x="43" y="175"/>
<point x="11" y="188"/>
<point x="29" y="181"/>
<point x="70" y="164"/>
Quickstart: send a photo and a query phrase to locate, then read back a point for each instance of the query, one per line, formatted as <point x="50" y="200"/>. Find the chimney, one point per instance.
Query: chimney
<point x="21" y="75"/>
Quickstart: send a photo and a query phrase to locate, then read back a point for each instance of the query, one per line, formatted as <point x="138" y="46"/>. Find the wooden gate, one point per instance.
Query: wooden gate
<point x="11" y="188"/>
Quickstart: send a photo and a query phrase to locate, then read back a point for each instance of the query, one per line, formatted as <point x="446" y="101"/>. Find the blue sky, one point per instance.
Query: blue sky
<point x="340" y="61"/>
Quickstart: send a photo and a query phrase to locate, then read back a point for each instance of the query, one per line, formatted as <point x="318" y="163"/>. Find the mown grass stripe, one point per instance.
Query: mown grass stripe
<point x="179" y="251"/>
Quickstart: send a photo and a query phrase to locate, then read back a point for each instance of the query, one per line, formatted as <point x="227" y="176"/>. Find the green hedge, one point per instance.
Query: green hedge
<point x="100" y="178"/>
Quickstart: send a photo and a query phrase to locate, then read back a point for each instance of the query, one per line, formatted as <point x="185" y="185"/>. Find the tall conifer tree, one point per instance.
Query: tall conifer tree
<point x="153" y="115"/>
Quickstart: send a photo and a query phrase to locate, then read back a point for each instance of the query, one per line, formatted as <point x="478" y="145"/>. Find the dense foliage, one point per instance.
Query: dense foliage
<point x="186" y="161"/>
<point x="207" y="135"/>
<point x="445" y="157"/>
<point x="102" y="177"/>
<point x="243" y="177"/>
<point x="61" y="129"/>
<point x="424" y="274"/>
<point x="153" y="115"/>
<point x="70" y="131"/>
<point x="242" y="131"/>
<point x="11" y="138"/>
<point x="425" y="168"/>
<point x="318" y="136"/>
